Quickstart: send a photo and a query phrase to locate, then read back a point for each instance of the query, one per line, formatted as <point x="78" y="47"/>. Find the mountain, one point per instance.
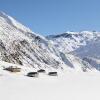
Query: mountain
<point x="78" y="51"/>
<point x="19" y="45"/>
<point x="85" y="45"/>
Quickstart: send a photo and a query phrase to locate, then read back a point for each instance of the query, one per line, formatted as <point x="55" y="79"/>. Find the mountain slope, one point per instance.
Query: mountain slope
<point x="19" y="45"/>
<point x="84" y="45"/>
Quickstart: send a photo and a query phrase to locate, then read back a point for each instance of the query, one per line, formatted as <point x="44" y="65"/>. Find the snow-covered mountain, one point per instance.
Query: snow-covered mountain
<point x="84" y="45"/>
<point x="19" y="45"/>
<point x="70" y="50"/>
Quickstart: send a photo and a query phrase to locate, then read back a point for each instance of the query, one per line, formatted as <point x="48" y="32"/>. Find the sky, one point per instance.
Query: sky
<point x="54" y="16"/>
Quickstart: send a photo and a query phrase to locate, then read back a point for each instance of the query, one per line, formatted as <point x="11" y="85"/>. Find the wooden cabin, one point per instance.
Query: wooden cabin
<point x="13" y="69"/>
<point x="32" y="74"/>
<point x="52" y="74"/>
<point x="41" y="71"/>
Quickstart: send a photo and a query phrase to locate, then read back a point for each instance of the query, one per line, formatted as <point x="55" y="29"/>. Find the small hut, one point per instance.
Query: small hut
<point x="32" y="74"/>
<point x="41" y="71"/>
<point x="52" y="74"/>
<point x="13" y="69"/>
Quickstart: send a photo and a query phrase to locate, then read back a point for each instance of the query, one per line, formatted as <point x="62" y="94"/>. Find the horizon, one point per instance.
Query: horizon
<point x="55" y="16"/>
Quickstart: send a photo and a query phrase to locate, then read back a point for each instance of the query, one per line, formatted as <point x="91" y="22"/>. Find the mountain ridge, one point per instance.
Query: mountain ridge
<point x="19" y="45"/>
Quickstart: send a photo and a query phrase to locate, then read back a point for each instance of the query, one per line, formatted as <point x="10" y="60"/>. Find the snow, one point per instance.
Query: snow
<point x="67" y="86"/>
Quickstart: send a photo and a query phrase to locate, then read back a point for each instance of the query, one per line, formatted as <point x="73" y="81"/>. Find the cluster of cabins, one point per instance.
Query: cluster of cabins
<point x="30" y="74"/>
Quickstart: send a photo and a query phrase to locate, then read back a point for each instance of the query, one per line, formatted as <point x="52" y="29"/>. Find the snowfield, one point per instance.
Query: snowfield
<point x="67" y="86"/>
<point x="70" y="84"/>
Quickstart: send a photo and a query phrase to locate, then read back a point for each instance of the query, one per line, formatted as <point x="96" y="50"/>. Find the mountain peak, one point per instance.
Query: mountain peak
<point x="2" y="13"/>
<point x="6" y="19"/>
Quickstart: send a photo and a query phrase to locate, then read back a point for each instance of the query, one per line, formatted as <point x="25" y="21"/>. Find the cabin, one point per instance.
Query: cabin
<point x="41" y="71"/>
<point x="13" y="69"/>
<point x="32" y="74"/>
<point x="84" y="69"/>
<point x="52" y="74"/>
